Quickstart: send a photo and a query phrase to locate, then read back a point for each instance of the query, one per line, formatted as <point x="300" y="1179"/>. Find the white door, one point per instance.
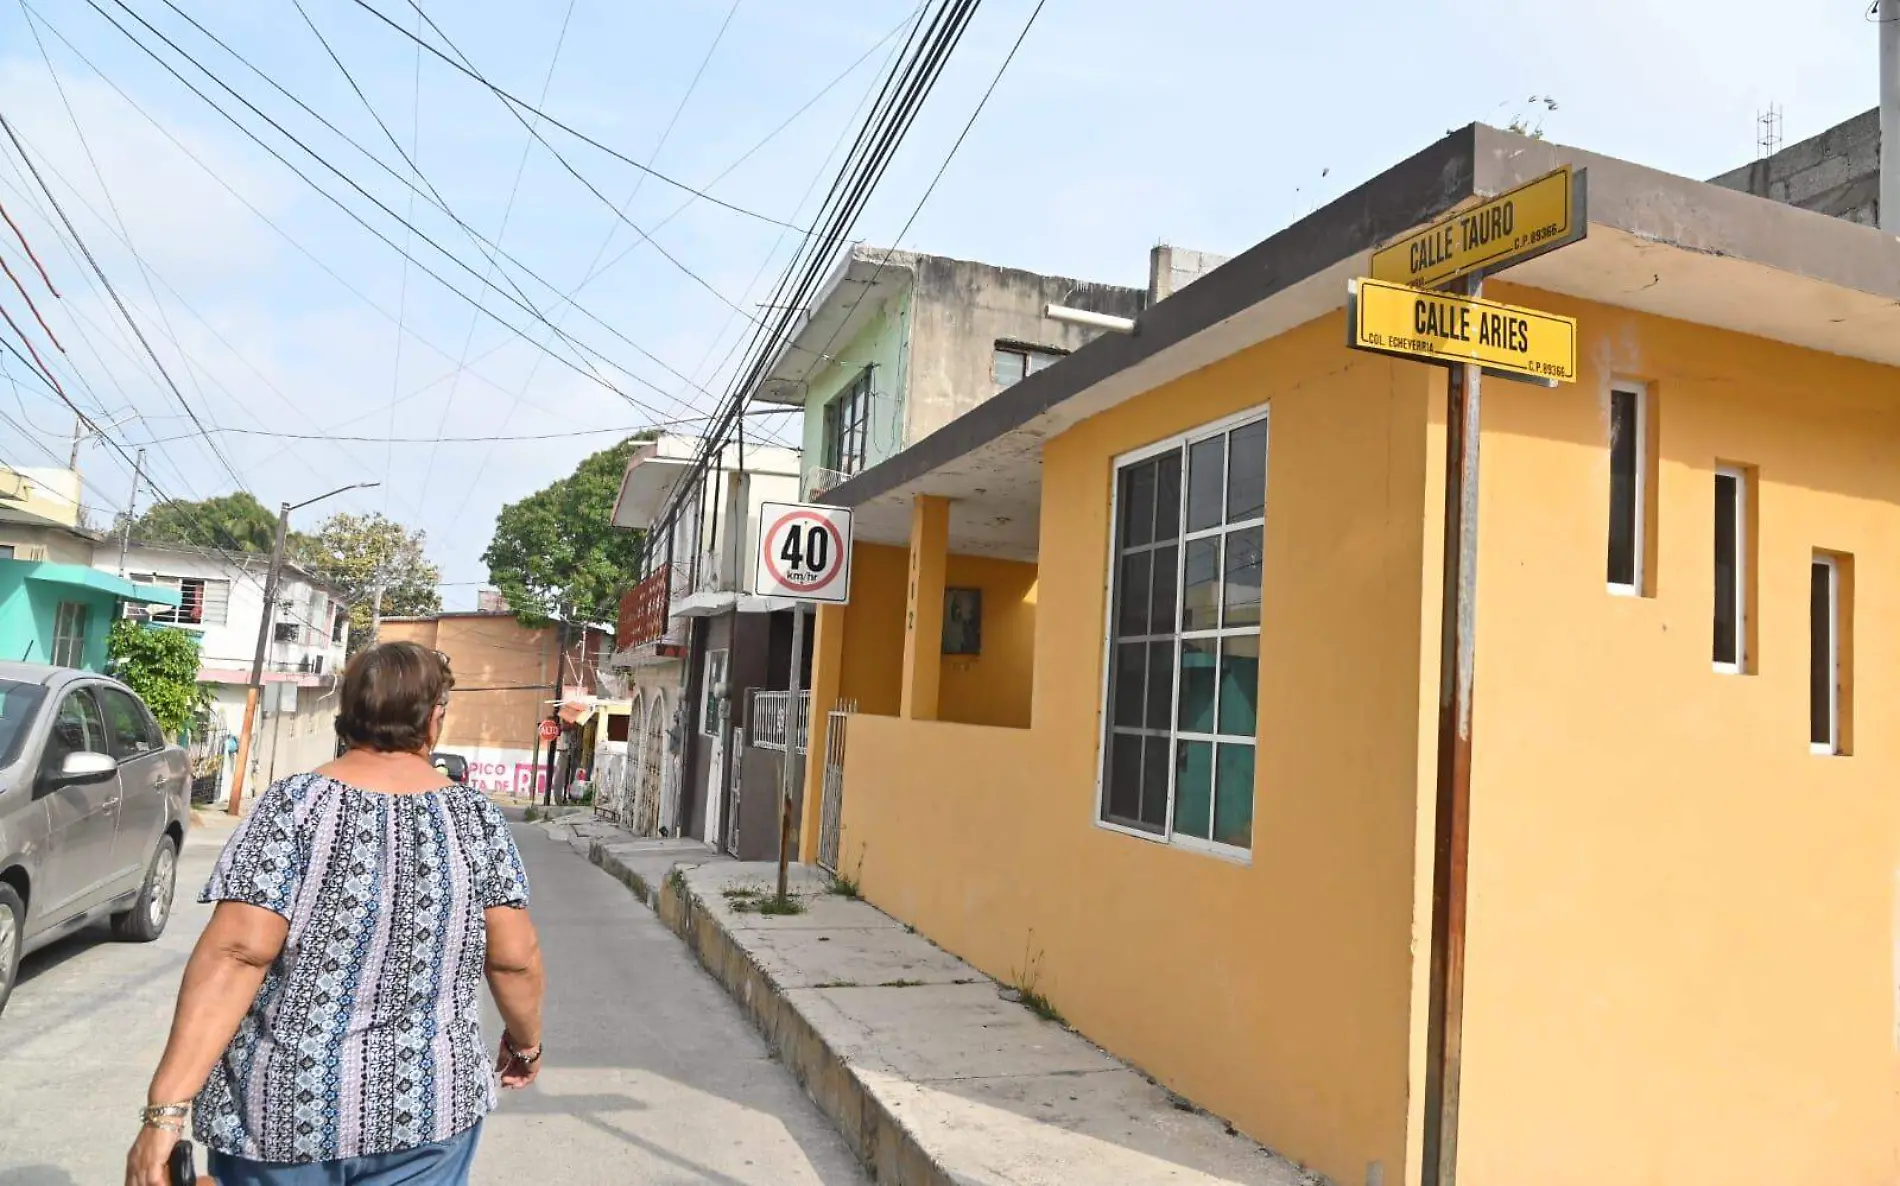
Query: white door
<point x="712" y="723"/>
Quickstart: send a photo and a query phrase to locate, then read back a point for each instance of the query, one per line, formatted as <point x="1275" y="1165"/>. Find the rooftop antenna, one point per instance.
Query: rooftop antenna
<point x="1768" y="136"/>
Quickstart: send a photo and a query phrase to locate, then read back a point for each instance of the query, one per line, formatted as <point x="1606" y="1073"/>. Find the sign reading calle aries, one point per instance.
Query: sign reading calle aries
<point x="1515" y="226"/>
<point x="1439" y="327"/>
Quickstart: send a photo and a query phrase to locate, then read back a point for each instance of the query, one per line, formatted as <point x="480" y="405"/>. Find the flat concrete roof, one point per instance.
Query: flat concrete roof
<point x="1658" y="243"/>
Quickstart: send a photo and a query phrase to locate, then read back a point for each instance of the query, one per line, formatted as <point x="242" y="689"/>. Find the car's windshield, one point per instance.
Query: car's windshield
<point x="17" y="704"/>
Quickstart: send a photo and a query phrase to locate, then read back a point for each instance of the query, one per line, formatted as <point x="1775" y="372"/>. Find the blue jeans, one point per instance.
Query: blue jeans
<point x="444" y="1164"/>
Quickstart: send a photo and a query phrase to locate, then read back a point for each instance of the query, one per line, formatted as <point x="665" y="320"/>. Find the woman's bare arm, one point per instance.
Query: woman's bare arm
<point x="516" y="979"/>
<point x="221" y="980"/>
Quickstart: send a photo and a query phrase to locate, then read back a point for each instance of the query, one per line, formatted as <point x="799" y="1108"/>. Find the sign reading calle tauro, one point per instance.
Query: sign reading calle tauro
<point x="1439" y="327"/>
<point x="1536" y="217"/>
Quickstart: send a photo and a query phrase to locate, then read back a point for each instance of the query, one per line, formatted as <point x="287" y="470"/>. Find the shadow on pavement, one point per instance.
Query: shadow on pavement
<point x="52" y="956"/>
<point x="36" y="1175"/>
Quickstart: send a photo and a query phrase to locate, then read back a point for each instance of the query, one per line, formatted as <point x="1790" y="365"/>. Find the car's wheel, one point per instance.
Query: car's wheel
<point x="148" y="916"/>
<point x="12" y="937"/>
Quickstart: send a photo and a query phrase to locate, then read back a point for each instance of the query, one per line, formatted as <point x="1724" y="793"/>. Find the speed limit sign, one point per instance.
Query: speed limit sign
<point x="804" y="552"/>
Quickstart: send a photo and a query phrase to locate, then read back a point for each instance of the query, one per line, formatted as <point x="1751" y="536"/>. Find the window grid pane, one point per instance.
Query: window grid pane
<point x="1205" y="685"/>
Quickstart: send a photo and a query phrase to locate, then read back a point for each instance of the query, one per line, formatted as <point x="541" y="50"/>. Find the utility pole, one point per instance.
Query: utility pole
<point x="560" y="658"/>
<point x="131" y="505"/>
<point x="791" y="748"/>
<point x="265" y="621"/>
<point x="1888" y="20"/>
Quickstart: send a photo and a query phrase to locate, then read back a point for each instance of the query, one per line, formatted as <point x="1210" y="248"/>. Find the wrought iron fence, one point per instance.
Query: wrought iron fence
<point x="769" y="713"/>
<point x="831" y="805"/>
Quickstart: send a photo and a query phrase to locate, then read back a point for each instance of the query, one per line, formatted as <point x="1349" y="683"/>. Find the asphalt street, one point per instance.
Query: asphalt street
<point x="652" y="1075"/>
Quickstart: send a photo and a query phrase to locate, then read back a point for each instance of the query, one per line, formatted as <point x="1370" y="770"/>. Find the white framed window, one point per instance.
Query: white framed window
<point x="202" y="601"/>
<point x="711" y="707"/>
<point x="1828" y="626"/>
<point x="1180" y="713"/>
<point x="1011" y="363"/>
<point x="1732" y="570"/>
<point x="69" y="634"/>
<point x="1629" y="493"/>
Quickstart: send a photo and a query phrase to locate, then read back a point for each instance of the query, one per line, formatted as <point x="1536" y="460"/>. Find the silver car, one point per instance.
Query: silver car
<point x="93" y="809"/>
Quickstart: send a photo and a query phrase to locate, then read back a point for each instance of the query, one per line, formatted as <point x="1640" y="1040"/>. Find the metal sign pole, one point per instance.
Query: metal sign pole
<point x="791" y="747"/>
<point x="1451" y="827"/>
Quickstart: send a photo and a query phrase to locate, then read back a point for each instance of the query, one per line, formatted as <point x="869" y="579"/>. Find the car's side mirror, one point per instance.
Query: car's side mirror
<point x="81" y="766"/>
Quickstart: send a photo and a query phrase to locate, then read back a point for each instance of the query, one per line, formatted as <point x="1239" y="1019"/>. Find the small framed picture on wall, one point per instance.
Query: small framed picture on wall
<point x="963" y="621"/>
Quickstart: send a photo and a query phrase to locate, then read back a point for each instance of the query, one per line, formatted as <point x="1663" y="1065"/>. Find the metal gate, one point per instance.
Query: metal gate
<point x="643" y="814"/>
<point x="831" y="814"/>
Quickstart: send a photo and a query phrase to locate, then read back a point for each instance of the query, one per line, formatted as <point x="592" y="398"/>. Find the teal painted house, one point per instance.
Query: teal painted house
<point x="54" y="606"/>
<point x="61" y="613"/>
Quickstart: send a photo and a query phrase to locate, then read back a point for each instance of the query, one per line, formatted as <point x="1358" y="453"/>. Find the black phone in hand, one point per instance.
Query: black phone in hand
<point x="184" y="1170"/>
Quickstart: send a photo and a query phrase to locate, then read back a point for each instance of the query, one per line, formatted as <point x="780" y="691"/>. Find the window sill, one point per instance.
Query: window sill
<point x="1617" y="590"/>
<point x="1823" y="750"/>
<point x="1727" y="668"/>
<point x="1205" y="848"/>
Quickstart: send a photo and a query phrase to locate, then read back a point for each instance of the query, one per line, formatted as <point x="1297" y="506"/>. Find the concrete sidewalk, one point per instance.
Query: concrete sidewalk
<point x="933" y="1072"/>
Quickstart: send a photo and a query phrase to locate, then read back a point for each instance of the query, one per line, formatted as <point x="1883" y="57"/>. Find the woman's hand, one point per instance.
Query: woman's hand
<point x="515" y="1072"/>
<point x="149" y="1162"/>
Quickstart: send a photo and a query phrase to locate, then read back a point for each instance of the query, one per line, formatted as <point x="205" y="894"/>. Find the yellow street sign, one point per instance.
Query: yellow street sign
<point x="1439" y="327"/>
<point x="1536" y="217"/>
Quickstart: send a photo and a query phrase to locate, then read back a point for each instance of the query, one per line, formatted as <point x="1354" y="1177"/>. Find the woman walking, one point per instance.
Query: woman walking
<point x="328" y="1029"/>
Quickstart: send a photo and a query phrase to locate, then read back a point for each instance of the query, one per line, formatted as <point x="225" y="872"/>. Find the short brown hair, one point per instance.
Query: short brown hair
<point x="389" y="692"/>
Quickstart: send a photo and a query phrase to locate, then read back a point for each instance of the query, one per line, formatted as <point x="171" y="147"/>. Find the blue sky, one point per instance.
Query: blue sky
<point x="1121" y="124"/>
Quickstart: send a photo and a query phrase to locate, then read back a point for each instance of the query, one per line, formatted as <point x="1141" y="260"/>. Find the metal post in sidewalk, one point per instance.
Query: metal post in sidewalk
<point x="791" y="747"/>
<point x="554" y="713"/>
<point x="1452" y="818"/>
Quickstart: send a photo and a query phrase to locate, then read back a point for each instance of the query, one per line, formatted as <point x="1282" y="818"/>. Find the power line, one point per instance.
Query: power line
<point x="501" y="234"/>
<point x="513" y="102"/>
<point x="123" y="311"/>
<point x="569" y="167"/>
<point x="588" y="274"/>
<point x="941" y="169"/>
<point x="586" y="371"/>
<point x="890" y="120"/>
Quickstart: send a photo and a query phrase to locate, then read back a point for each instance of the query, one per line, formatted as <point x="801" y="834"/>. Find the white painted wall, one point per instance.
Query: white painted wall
<point x="228" y="645"/>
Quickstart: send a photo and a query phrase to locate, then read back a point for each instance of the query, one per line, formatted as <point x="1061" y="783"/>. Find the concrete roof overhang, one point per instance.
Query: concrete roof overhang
<point x="855" y="293"/>
<point x="1658" y="244"/>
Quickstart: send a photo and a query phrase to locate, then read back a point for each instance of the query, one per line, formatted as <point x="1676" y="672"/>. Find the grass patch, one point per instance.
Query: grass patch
<point x="902" y="984"/>
<point x="850" y="885"/>
<point x="1028" y="985"/>
<point x="777" y="905"/>
<point x="838" y="984"/>
<point x="676" y="881"/>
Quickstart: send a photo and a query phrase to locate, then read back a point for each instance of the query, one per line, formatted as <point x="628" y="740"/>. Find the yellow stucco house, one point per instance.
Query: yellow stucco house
<point x="1186" y="782"/>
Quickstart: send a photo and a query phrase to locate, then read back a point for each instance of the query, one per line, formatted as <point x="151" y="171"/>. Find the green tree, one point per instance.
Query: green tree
<point x="236" y="522"/>
<point x="556" y="555"/>
<point x="350" y="551"/>
<point x="160" y="663"/>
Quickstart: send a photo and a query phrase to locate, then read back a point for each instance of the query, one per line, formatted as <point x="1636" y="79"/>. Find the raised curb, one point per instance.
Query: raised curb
<point x="885" y="1146"/>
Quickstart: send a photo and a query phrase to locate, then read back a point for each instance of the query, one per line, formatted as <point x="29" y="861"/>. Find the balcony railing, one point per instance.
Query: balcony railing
<point x="643" y="609"/>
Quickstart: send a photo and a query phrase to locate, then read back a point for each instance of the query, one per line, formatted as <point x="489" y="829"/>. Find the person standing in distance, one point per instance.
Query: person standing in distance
<point x="328" y="1028"/>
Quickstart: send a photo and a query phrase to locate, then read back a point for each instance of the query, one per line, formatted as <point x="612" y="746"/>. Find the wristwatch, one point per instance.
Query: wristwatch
<point x="525" y="1058"/>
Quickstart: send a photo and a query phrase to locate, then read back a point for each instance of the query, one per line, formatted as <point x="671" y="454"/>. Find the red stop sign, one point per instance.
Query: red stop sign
<point x="550" y="730"/>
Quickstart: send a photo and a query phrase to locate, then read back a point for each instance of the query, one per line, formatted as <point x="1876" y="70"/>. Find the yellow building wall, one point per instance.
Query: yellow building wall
<point x="1683" y="944"/>
<point x="1276" y="993"/>
<point x="873" y="668"/>
<point x="993" y="687"/>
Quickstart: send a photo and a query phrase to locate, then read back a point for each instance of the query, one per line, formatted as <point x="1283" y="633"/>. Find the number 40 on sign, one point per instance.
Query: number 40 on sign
<point x="804" y="552"/>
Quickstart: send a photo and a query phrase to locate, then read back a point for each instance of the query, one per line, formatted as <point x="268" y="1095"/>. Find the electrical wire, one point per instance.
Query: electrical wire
<point x="941" y="169"/>
<point x="905" y="88"/>
<point x="585" y="369"/>
<point x="318" y="261"/>
<point x="117" y="301"/>
<point x="513" y="103"/>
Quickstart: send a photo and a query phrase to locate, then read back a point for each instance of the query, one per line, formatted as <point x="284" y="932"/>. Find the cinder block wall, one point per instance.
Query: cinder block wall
<point x="1836" y="173"/>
